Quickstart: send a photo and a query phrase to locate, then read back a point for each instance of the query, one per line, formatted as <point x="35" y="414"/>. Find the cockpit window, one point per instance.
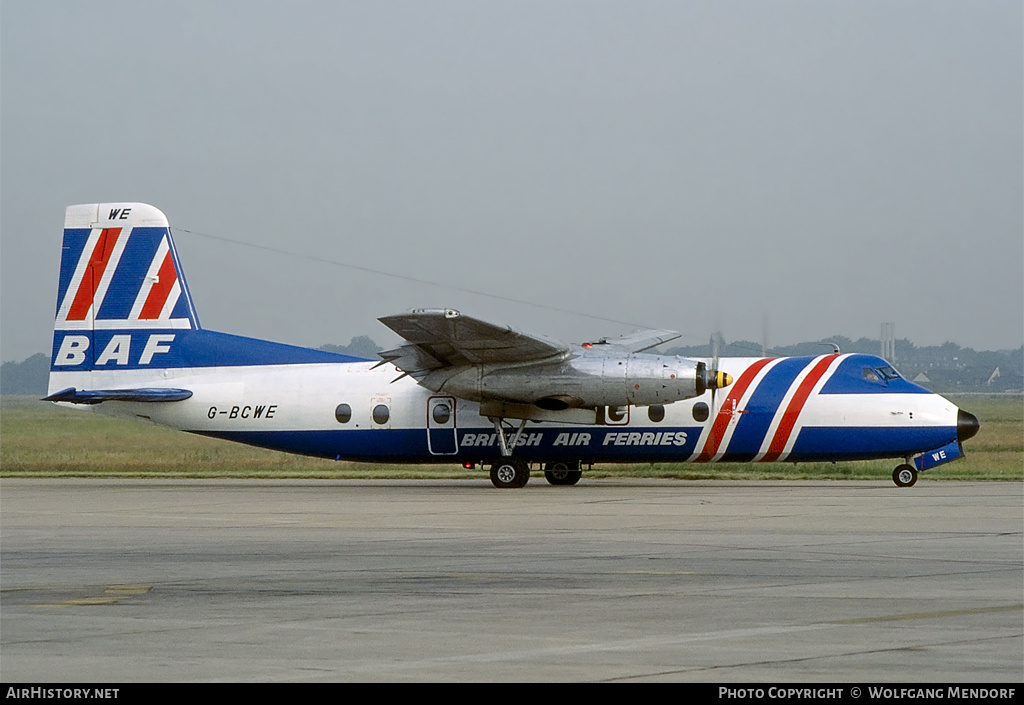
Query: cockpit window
<point x="888" y="373"/>
<point x="880" y="375"/>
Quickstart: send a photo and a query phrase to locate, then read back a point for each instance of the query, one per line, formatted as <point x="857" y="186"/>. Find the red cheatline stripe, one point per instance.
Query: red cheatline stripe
<point x="161" y="289"/>
<point x="93" y="274"/>
<point x="736" y="391"/>
<point x="796" y="405"/>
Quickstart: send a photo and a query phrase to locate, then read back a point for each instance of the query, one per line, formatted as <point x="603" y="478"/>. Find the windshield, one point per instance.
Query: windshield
<point x="887" y="373"/>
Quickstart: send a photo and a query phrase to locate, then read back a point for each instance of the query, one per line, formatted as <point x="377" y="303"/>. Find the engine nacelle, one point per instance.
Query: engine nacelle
<point x="588" y="380"/>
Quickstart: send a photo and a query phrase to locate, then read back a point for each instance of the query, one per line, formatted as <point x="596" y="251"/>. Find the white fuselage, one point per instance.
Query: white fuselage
<point x="769" y="414"/>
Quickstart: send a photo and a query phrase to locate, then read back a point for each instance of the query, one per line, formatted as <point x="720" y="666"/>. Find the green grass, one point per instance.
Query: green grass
<point x="38" y="439"/>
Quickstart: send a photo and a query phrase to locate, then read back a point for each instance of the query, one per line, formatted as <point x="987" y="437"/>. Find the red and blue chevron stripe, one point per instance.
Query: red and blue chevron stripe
<point x="759" y="417"/>
<point x="121" y="278"/>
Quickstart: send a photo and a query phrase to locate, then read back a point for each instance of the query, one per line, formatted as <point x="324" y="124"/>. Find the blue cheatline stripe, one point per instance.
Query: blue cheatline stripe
<point x="477" y="445"/>
<point x="410" y="445"/>
<point x="761" y="409"/>
<point x="827" y="443"/>
<point x="189" y="348"/>
<point x="204" y="348"/>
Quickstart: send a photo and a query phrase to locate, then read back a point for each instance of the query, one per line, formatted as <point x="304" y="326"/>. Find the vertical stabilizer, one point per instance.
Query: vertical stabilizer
<point x="126" y="325"/>
<point x="122" y="296"/>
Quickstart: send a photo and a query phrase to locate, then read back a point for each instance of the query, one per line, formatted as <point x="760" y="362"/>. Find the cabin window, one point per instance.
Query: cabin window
<point x="888" y="373"/>
<point x="701" y="412"/>
<point x="616" y="413"/>
<point x="870" y="375"/>
<point x="656" y="413"/>
<point x="381" y="414"/>
<point x="442" y="413"/>
<point x="343" y="413"/>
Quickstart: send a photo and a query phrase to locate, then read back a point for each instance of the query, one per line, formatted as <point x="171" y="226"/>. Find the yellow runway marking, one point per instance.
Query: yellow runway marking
<point x="654" y="572"/>
<point x="128" y="589"/>
<point x="112" y="594"/>
<point x="930" y="615"/>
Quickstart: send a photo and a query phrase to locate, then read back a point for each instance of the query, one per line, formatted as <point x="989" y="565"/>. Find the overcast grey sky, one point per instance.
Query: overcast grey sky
<point x="810" y="168"/>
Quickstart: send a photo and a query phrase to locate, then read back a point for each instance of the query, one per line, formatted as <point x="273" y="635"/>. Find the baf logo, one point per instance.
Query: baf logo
<point x="118" y="350"/>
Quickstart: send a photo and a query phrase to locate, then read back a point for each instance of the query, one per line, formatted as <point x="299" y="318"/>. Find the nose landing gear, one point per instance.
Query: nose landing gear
<point x="904" y="476"/>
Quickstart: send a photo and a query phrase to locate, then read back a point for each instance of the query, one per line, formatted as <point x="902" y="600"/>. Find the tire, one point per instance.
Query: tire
<point x="904" y="476"/>
<point x="562" y="473"/>
<point x="510" y="473"/>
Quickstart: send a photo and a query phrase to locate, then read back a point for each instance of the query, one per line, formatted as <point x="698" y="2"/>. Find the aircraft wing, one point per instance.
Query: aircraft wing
<point x="440" y="338"/>
<point x="95" y="396"/>
<point x="520" y="376"/>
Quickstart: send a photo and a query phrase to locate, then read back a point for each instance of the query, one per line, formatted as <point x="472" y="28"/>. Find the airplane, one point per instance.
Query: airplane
<point x="127" y="341"/>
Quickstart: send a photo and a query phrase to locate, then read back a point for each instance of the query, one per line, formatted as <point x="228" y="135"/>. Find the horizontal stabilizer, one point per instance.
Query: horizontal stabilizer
<point x="95" y="396"/>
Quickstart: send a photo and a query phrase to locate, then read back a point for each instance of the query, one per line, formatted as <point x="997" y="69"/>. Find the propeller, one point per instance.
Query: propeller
<point x="715" y="379"/>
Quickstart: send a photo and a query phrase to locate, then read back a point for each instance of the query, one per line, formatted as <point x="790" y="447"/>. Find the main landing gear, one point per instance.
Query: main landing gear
<point x="904" y="476"/>
<point x="562" y="473"/>
<point x="514" y="473"/>
<point x="510" y="472"/>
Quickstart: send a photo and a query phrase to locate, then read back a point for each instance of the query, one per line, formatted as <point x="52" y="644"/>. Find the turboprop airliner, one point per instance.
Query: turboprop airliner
<point x="127" y="342"/>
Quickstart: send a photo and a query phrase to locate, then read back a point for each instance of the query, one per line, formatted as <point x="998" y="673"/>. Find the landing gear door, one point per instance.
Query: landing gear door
<point x="441" y="438"/>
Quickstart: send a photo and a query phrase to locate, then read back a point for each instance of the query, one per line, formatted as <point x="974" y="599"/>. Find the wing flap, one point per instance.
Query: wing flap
<point x="412" y="359"/>
<point x="96" y="396"/>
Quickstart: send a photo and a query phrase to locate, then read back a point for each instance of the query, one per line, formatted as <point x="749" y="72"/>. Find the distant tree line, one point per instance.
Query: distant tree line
<point x="361" y="346"/>
<point x="941" y="368"/>
<point x="25" y="377"/>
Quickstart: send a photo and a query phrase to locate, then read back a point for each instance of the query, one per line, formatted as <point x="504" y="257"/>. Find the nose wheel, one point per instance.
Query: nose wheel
<point x="904" y="476"/>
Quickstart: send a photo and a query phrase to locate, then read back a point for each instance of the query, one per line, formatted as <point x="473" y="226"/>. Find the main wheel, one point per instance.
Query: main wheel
<point x="510" y="472"/>
<point x="562" y="473"/>
<point x="904" y="476"/>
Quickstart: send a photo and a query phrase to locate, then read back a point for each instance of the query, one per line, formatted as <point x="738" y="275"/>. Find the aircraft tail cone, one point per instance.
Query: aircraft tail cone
<point x="967" y="425"/>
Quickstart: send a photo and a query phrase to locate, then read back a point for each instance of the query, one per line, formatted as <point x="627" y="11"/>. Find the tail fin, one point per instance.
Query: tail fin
<point x="121" y="294"/>
<point x="125" y="323"/>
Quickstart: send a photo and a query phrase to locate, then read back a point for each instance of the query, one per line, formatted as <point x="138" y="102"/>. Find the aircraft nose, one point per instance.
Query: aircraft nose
<point x="966" y="425"/>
